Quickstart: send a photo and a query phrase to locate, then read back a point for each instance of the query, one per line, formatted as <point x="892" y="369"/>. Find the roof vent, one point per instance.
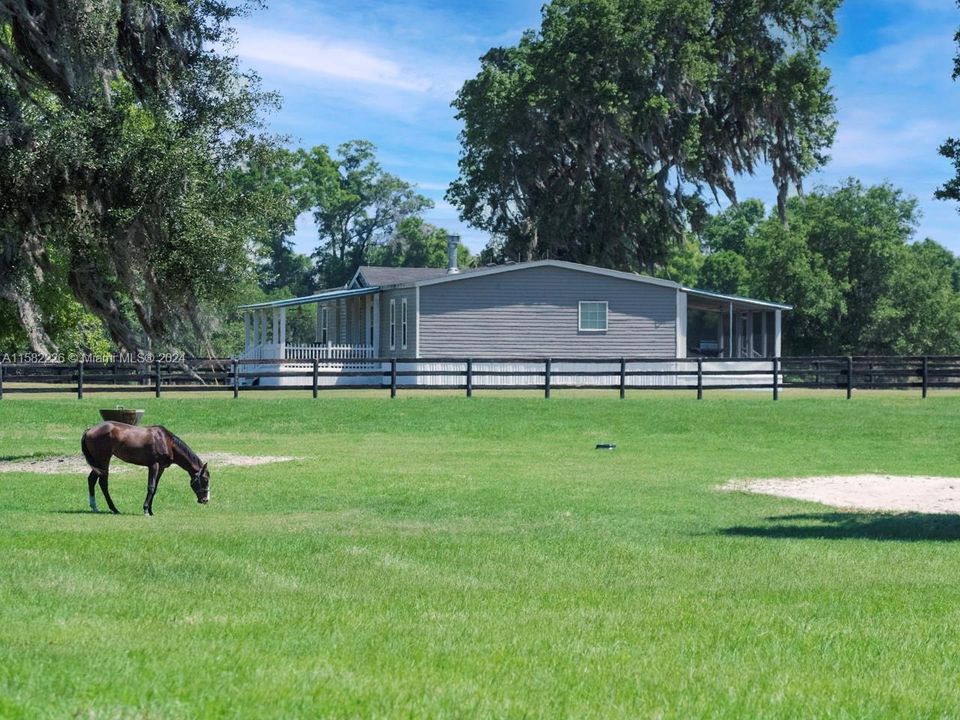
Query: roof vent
<point x="453" y="242"/>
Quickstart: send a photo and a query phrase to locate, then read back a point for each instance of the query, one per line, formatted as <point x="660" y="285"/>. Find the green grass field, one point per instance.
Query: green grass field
<point x="445" y="557"/>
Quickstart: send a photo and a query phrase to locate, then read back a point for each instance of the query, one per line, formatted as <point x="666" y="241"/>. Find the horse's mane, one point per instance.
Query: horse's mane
<point x="184" y="448"/>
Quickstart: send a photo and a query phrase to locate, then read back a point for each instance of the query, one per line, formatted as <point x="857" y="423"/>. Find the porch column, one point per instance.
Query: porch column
<point x="731" y="332"/>
<point x="263" y="327"/>
<point x="376" y="324"/>
<point x="763" y="331"/>
<point x="255" y="327"/>
<point x="283" y="332"/>
<point x="246" y="331"/>
<point x="681" y="324"/>
<point x="275" y="328"/>
<point x="777" y="332"/>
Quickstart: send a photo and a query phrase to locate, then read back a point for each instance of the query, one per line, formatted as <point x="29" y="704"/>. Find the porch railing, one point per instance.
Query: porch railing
<point x="328" y="352"/>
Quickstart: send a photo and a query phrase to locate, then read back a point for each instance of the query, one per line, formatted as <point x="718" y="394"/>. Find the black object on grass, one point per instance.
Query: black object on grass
<point x="606" y="446"/>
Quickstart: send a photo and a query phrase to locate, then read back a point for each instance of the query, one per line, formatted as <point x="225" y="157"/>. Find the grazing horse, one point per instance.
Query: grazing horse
<point x="154" y="447"/>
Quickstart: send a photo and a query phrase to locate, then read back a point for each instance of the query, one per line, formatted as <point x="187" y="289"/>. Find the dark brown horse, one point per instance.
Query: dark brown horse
<point x="154" y="447"/>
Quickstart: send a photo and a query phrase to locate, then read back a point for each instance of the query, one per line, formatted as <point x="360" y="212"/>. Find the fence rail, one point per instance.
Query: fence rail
<point x="697" y="375"/>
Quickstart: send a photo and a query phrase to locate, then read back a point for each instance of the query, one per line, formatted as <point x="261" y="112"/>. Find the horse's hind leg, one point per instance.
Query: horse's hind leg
<point x="106" y="492"/>
<point x="92" y="485"/>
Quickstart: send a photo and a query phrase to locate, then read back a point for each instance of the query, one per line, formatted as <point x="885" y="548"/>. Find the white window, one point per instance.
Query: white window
<point x="403" y="323"/>
<point x="323" y="325"/>
<point x="593" y="316"/>
<point x="393" y="324"/>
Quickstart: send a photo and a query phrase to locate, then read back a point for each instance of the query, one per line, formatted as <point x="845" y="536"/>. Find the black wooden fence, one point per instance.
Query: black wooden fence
<point x="697" y="375"/>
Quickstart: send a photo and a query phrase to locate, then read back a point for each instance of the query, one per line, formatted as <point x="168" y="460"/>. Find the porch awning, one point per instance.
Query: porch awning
<point x="318" y="298"/>
<point x="735" y="299"/>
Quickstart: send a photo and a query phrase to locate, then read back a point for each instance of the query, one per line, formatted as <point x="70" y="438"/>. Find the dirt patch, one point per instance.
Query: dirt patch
<point x="884" y="493"/>
<point x="76" y="464"/>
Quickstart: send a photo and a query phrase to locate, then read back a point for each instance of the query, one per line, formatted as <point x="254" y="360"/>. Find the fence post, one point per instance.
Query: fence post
<point x="816" y="364"/>
<point x="546" y="378"/>
<point x="156" y="379"/>
<point x="393" y="377"/>
<point x="79" y="379"/>
<point x="316" y="379"/>
<point x="1" y="380"/>
<point x="849" y="377"/>
<point x="469" y="377"/>
<point x="623" y="378"/>
<point x="926" y="374"/>
<point x="236" y="379"/>
<point x="699" y="378"/>
<point x="776" y="378"/>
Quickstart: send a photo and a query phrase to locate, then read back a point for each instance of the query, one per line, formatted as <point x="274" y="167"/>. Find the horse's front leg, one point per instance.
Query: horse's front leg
<point x="153" y="479"/>
<point x="104" y="486"/>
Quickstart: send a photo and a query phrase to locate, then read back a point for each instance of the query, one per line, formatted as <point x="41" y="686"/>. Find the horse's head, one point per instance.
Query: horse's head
<point x="201" y="484"/>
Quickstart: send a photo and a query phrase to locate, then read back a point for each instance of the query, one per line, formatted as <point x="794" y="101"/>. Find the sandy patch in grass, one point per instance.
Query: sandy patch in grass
<point x="76" y="464"/>
<point x="885" y="493"/>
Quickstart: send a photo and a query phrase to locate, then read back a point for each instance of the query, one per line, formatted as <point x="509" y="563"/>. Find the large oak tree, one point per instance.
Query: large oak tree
<point x="598" y="138"/>
<point x="122" y="125"/>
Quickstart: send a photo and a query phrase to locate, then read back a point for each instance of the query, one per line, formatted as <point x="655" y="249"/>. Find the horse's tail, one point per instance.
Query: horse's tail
<point x="86" y="453"/>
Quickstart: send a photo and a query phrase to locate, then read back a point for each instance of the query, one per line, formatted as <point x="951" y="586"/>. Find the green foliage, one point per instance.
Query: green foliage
<point x="597" y="138"/>
<point x="416" y="243"/>
<point x="355" y="204"/>
<point x="729" y="230"/>
<point x="950" y="149"/>
<point x="725" y="271"/>
<point x="846" y="264"/>
<point x="277" y="180"/>
<point x="683" y="264"/>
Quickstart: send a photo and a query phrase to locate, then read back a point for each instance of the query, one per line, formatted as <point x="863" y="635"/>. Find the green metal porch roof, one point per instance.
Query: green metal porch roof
<point x="319" y="297"/>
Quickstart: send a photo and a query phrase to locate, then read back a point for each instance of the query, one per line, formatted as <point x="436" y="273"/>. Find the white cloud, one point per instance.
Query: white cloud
<point x="873" y="141"/>
<point x="917" y="60"/>
<point x="328" y="58"/>
<point x="434" y="186"/>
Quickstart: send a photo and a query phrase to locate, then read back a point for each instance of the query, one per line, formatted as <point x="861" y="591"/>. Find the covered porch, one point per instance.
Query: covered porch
<point x="336" y="325"/>
<point x="727" y="326"/>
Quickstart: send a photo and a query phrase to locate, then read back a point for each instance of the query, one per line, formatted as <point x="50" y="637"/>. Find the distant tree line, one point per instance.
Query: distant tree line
<point x="845" y="260"/>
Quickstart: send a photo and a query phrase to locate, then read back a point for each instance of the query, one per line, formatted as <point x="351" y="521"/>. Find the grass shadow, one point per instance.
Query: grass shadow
<point x="82" y="512"/>
<point x="904" y="527"/>
<point x="30" y="456"/>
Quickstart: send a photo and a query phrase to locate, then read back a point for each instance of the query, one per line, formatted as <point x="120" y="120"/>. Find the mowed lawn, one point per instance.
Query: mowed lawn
<point x="446" y="557"/>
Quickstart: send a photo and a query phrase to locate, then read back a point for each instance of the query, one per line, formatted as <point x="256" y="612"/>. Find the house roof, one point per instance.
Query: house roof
<point x="373" y="275"/>
<point x="370" y="279"/>
<point x="479" y="272"/>
<point x="735" y="299"/>
<point x="319" y="297"/>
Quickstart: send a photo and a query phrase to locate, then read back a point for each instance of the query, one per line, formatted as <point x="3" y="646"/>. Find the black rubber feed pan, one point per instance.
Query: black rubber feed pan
<point x="124" y="415"/>
<point x="606" y="446"/>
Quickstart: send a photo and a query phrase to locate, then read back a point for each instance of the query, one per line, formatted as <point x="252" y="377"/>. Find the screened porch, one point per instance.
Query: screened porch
<point x="726" y="326"/>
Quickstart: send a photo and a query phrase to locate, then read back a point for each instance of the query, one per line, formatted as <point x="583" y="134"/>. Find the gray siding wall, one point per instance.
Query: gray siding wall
<point x="534" y="313"/>
<point x="385" y="297"/>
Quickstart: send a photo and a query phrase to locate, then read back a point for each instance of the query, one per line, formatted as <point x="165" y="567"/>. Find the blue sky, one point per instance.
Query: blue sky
<point x="387" y="71"/>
